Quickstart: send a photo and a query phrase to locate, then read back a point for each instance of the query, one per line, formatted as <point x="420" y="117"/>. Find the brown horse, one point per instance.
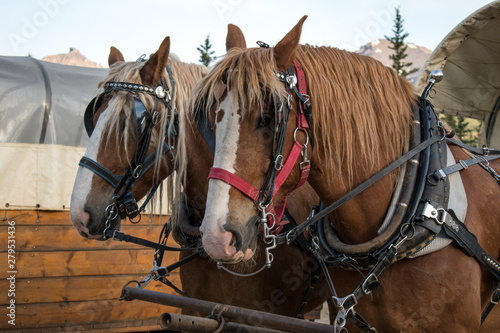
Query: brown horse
<point x="361" y="121"/>
<point x="113" y="145"/>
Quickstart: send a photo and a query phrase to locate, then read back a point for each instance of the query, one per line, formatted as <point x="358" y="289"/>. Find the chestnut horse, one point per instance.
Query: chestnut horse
<point x="362" y="121"/>
<point x="113" y="145"/>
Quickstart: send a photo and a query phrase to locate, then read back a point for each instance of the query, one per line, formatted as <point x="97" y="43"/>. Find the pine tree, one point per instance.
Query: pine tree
<point x="462" y="129"/>
<point x="206" y="55"/>
<point x="399" y="47"/>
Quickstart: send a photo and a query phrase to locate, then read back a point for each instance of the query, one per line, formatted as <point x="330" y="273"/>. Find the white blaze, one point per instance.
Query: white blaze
<point x="83" y="180"/>
<point x="226" y="143"/>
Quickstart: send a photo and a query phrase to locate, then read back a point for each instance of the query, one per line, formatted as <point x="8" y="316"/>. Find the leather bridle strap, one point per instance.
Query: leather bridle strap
<point x="278" y="172"/>
<point x="235" y="181"/>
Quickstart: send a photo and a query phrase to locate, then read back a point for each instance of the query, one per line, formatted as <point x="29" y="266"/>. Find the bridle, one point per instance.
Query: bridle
<point x="124" y="204"/>
<point x="278" y="171"/>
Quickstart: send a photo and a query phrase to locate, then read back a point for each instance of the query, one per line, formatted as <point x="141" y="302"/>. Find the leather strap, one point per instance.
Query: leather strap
<point x="118" y="235"/>
<point x="290" y="236"/>
<point x="235" y="181"/>
<point x="478" y="151"/>
<point x="461" y="165"/>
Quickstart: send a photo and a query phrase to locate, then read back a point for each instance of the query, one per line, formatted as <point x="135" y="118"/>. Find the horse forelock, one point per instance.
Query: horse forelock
<point x="249" y="73"/>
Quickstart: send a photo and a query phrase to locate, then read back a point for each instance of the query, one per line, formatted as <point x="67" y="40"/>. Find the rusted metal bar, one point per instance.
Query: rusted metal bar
<point x="232" y="313"/>
<point x="184" y="323"/>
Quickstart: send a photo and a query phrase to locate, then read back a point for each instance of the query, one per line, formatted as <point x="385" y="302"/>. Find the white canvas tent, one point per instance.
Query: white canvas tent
<point x="42" y="134"/>
<point x="469" y="57"/>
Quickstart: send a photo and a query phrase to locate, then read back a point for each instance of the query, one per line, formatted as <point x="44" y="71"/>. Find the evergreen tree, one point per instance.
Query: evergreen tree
<point x="399" y="47"/>
<point x="462" y="129"/>
<point x="206" y="55"/>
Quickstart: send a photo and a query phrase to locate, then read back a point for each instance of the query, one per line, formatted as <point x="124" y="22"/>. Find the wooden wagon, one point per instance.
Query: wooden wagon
<point x="52" y="279"/>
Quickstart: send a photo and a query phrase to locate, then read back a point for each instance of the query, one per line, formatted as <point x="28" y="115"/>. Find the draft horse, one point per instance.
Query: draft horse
<point x="142" y="96"/>
<point x="379" y="158"/>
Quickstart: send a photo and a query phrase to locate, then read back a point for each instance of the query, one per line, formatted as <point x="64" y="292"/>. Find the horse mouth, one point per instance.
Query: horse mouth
<point x="238" y="257"/>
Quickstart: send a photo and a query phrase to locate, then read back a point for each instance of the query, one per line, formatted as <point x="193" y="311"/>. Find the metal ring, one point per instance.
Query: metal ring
<point x="111" y="211"/>
<point x="305" y="132"/>
<point x="406" y="227"/>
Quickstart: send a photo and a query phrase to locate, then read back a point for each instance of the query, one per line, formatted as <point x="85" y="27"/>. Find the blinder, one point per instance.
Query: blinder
<point x="123" y="201"/>
<point x="88" y="117"/>
<point x="140" y="112"/>
<point x="141" y="117"/>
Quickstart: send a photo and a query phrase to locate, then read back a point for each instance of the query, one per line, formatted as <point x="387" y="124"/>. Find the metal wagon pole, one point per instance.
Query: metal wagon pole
<point x="231" y="313"/>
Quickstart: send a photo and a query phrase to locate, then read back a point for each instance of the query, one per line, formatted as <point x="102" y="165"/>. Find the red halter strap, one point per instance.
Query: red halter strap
<point x="297" y="150"/>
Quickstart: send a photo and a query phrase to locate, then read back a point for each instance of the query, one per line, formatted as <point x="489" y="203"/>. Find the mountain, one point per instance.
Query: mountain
<point x="73" y="58"/>
<point x="379" y="49"/>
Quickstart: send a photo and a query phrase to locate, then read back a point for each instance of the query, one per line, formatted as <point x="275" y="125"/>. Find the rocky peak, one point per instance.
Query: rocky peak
<point x="379" y="49"/>
<point x="73" y="58"/>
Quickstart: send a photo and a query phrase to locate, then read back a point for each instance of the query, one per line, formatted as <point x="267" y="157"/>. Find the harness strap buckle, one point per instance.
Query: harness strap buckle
<point x="370" y="283"/>
<point x="345" y="306"/>
<point x="137" y="171"/>
<point x="495" y="297"/>
<point x="278" y="162"/>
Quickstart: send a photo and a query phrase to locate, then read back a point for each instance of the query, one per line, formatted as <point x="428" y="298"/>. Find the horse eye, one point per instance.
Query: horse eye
<point x="264" y="121"/>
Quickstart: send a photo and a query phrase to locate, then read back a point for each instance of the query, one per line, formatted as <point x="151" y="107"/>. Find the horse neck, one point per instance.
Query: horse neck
<point x="358" y="220"/>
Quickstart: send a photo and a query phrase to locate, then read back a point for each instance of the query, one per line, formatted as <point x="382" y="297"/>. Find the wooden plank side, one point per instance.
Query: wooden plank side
<point x="92" y="312"/>
<point x="149" y="325"/>
<point x="77" y="288"/>
<point x="84" y="263"/>
<point x="54" y="238"/>
<point x="44" y="217"/>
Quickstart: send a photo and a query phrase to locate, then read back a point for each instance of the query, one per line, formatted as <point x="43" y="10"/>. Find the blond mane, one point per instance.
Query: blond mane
<point x="360" y="108"/>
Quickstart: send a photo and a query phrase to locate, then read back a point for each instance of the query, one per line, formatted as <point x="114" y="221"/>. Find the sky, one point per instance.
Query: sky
<point x="46" y="27"/>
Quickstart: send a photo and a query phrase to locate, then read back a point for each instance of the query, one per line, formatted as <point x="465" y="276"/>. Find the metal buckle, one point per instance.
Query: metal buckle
<point x="368" y="280"/>
<point x="137" y="171"/>
<point x="291" y="79"/>
<point x="278" y="162"/>
<point x="341" y="318"/>
<point x="495" y="296"/>
<point x="433" y="213"/>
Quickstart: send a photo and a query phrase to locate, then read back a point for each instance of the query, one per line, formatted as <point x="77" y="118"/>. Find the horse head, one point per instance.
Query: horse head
<point x="247" y="104"/>
<point x="131" y="126"/>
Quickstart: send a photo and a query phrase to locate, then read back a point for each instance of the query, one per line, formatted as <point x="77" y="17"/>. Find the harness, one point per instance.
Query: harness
<point x="271" y="217"/>
<point x="124" y="204"/>
<point x="419" y="211"/>
<point x="123" y="201"/>
<point x="431" y="135"/>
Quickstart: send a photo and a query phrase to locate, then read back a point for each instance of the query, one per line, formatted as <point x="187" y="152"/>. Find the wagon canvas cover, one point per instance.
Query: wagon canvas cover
<point x="469" y="57"/>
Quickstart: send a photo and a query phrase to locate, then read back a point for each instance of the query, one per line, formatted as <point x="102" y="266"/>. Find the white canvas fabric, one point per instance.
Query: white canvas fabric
<point x="469" y="59"/>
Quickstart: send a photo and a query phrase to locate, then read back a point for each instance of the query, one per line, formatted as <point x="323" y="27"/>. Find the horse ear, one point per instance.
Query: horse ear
<point x="152" y="70"/>
<point x="284" y="51"/>
<point x="235" y="38"/>
<point x="115" y="56"/>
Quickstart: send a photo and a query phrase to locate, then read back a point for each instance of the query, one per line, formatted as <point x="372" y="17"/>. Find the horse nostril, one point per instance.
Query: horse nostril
<point x="84" y="234"/>
<point x="236" y="239"/>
